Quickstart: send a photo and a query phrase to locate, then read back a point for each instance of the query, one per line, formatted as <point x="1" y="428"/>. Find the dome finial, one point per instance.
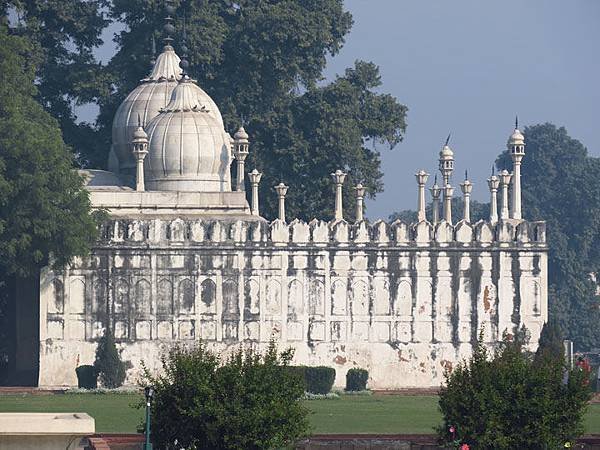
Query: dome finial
<point x="516" y="122"/>
<point x="448" y="139"/>
<point x="153" y="52"/>
<point x="184" y="63"/>
<point x="168" y="27"/>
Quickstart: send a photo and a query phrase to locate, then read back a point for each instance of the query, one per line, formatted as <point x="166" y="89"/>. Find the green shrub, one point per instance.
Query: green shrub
<point x="510" y="399"/>
<point x="87" y="378"/>
<point x="319" y="380"/>
<point x="109" y="366"/>
<point x="248" y="401"/>
<point x="356" y="380"/>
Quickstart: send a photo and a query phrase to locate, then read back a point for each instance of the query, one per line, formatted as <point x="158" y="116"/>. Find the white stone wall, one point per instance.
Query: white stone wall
<point x="404" y="302"/>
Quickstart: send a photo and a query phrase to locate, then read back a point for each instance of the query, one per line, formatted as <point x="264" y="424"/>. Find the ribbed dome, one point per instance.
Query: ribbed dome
<point x="147" y="100"/>
<point x="189" y="149"/>
<point x="516" y="138"/>
<point x="446" y="153"/>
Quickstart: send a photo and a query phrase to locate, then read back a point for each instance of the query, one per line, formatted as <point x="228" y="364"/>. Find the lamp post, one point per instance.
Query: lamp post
<point x="149" y="393"/>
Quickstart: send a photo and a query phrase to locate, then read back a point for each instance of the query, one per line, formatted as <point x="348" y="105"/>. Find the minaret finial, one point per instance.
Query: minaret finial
<point x="466" y="175"/>
<point x="139" y="120"/>
<point x="493" y="169"/>
<point x="169" y="28"/>
<point x="448" y="139"/>
<point x="184" y="63"/>
<point x="153" y="52"/>
<point x="516" y="122"/>
<point x="435" y="179"/>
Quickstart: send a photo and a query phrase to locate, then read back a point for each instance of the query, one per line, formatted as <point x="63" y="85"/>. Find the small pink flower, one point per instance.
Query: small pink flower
<point x="452" y="429"/>
<point x="465" y="447"/>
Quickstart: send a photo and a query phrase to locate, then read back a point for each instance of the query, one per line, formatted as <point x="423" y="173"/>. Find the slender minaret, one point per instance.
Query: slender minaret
<point x="446" y="162"/>
<point x="436" y="191"/>
<point x="281" y="191"/>
<point x="466" y="187"/>
<point x="255" y="177"/>
<point x="360" y="195"/>
<point x="421" y="177"/>
<point x="446" y="166"/>
<point x="240" y="144"/>
<point x="140" y="150"/>
<point x="493" y="183"/>
<point x="448" y="191"/>
<point x="516" y="147"/>
<point x="338" y="178"/>
<point x="504" y="182"/>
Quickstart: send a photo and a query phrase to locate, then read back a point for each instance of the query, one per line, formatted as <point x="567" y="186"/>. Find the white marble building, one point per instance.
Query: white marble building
<point x="185" y="257"/>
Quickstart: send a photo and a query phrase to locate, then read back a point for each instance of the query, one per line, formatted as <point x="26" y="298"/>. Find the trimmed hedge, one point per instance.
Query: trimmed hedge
<point x="356" y="380"/>
<point x="317" y="380"/>
<point x="87" y="377"/>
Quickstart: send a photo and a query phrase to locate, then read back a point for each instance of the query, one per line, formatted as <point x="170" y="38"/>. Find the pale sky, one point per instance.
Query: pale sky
<point x="467" y="67"/>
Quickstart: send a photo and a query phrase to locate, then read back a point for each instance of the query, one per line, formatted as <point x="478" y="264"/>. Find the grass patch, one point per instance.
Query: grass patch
<point x="385" y="414"/>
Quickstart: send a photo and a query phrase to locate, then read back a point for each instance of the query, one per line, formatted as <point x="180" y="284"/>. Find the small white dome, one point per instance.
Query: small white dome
<point x="147" y="100"/>
<point x="516" y="138"/>
<point x="188" y="148"/>
<point x="446" y="152"/>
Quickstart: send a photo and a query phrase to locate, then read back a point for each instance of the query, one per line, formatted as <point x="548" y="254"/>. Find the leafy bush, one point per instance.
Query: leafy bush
<point x="87" y="378"/>
<point x="505" y="400"/>
<point x="248" y="401"/>
<point x="317" y="380"/>
<point x="109" y="366"/>
<point x="356" y="379"/>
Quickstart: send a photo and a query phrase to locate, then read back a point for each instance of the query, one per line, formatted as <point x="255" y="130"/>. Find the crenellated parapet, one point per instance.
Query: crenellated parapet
<point x="337" y="233"/>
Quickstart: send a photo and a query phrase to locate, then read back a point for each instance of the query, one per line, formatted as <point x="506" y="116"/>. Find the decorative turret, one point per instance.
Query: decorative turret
<point x="436" y="191"/>
<point x="504" y="182"/>
<point x="446" y="162"/>
<point x="421" y="177"/>
<point x="493" y="184"/>
<point x="466" y="188"/>
<point x="240" y="152"/>
<point x="338" y="178"/>
<point x="360" y="195"/>
<point x="255" y="177"/>
<point x="281" y="191"/>
<point x="516" y="148"/>
<point x="140" y="150"/>
<point x="448" y="191"/>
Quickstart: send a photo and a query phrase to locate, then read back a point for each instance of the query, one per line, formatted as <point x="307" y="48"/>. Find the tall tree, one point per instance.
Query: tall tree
<point x="262" y="61"/>
<point x="65" y="33"/>
<point x="561" y="185"/>
<point x="44" y="211"/>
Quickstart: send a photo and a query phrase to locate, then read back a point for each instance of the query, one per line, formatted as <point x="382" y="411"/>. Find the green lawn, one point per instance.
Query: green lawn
<point x="115" y="413"/>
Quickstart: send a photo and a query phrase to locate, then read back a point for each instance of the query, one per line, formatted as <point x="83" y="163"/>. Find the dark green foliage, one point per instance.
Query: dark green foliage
<point x="550" y="345"/>
<point x="356" y="379"/>
<point x="479" y="211"/>
<point x="319" y="379"/>
<point x="263" y="62"/>
<point x="109" y="366"/>
<point x="506" y="401"/>
<point x="65" y="33"/>
<point x="247" y="401"/>
<point x="561" y="185"/>
<point x="316" y="380"/>
<point x="87" y="378"/>
<point x="43" y="209"/>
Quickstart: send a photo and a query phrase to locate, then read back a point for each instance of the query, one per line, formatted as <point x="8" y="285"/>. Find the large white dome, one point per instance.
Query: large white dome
<point x="146" y="100"/>
<point x="188" y="148"/>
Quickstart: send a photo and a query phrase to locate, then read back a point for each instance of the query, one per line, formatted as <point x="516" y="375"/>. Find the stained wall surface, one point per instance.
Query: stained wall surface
<point x="403" y="301"/>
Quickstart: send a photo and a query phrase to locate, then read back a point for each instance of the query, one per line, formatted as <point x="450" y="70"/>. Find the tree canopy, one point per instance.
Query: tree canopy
<point x="43" y="208"/>
<point x="561" y="185"/>
<point x="262" y="62"/>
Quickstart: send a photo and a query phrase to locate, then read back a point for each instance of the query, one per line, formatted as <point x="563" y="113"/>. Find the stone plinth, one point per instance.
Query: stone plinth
<point x="60" y="431"/>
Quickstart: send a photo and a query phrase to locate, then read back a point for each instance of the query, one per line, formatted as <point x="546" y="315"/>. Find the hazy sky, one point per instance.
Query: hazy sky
<point x="467" y="67"/>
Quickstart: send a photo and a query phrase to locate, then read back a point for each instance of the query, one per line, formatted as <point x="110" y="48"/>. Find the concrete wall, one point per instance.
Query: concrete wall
<point x="404" y="302"/>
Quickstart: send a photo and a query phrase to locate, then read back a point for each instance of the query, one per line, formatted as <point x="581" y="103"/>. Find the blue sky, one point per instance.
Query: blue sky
<point x="467" y="67"/>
